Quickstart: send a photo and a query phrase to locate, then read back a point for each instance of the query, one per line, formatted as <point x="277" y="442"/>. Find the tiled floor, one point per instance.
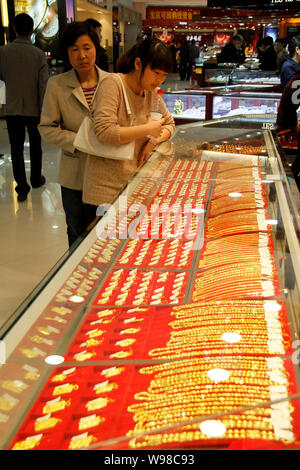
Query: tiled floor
<point x="32" y="233"/>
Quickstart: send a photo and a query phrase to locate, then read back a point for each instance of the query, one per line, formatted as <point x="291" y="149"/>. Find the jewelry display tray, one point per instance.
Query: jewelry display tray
<point x="174" y="321"/>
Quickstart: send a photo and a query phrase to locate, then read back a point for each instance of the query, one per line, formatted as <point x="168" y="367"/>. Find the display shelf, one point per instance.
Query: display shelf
<point x="231" y="75"/>
<point x="186" y="105"/>
<point x="191" y="280"/>
<point x="244" y="103"/>
<point x="218" y="102"/>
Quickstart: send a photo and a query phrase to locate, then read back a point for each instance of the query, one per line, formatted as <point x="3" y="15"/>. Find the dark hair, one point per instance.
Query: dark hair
<point x="152" y="52"/>
<point x="23" y="24"/>
<point x="94" y="23"/>
<point x="267" y="41"/>
<point x="238" y="37"/>
<point x="71" y="33"/>
<point x="282" y="41"/>
<point x="294" y="42"/>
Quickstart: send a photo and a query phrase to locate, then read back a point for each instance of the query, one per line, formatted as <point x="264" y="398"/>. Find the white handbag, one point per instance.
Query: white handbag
<point x="87" y="142"/>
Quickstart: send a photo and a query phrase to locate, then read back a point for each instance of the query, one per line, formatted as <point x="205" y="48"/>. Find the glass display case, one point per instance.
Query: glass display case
<point x="231" y="75"/>
<point x="243" y="103"/>
<point x="218" y="102"/>
<point x="174" y="322"/>
<point x="186" y="104"/>
<point x="255" y="76"/>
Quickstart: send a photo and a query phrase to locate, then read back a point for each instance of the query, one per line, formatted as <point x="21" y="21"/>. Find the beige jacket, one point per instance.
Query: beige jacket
<point x="64" y="109"/>
<point x="105" y="178"/>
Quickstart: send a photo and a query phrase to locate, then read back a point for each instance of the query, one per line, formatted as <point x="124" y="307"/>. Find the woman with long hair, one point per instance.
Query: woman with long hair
<point x="142" y="70"/>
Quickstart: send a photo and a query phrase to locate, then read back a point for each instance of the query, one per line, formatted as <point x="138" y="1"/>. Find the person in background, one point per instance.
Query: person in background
<point x="173" y="51"/>
<point x="259" y="51"/>
<point x="178" y="48"/>
<point x="287" y="118"/>
<point x="183" y="60"/>
<point x="24" y="69"/>
<point x="233" y="52"/>
<point x="291" y="65"/>
<point x="102" y="58"/>
<point x="143" y="68"/>
<point x="282" y="54"/>
<point x="269" y="56"/>
<point x="193" y="54"/>
<point x="69" y="98"/>
<point x="248" y="49"/>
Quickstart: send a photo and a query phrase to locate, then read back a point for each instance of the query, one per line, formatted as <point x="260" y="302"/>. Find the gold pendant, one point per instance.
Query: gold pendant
<point x="125" y="342"/>
<point x="16" y="386"/>
<point x="32" y="376"/>
<point x="58" y="378"/>
<point x="94" y="334"/>
<point x="28" y="444"/>
<point x="93" y="342"/>
<point x="90" y="422"/>
<point x="80" y="442"/>
<point x="84" y="356"/>
<point x="56" y="406"/>
<point x="46" y="423"/>
<point x="122" y="354"/>
<point x="105" y="387"/>
<point x="29" y="353"/>
<point x="44" y="330"/>
<point x="6" y="404"/>
<point x="65" y="388"/>
<point x="112" y="371"/>
<point x="130" y="331"/>
<point x="98" y="403"/>
<point x="37" y="339"/>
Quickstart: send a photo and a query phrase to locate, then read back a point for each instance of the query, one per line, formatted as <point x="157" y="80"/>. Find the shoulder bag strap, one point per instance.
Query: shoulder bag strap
<point x="128" y="109"/>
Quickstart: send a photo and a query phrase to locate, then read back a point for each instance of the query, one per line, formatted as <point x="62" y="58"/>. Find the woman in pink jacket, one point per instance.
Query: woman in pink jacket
<point x="142" y="70"/>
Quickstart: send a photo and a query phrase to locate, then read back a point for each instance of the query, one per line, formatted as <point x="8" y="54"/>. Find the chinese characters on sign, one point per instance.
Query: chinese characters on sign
<point x="170" y="14"/>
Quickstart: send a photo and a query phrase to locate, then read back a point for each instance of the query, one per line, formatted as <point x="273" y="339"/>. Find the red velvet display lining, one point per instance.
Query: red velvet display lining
<point x="152" y="332"/>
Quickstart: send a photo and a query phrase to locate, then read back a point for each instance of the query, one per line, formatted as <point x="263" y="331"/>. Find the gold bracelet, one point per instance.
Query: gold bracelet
<point x="156" y="440"/>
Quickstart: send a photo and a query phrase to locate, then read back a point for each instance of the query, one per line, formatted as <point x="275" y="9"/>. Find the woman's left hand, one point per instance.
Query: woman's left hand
<point x="145" y="152"/>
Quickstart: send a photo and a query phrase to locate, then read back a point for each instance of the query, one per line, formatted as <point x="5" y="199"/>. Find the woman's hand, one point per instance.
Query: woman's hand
<point x="145" y="152"/>
<point x="154" y="128"/>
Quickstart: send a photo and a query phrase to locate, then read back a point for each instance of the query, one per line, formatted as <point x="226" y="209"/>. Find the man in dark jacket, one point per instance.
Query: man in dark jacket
<point x="233" y="52"/>
<point x="291" y="65"/>
<point x="269" y="57"/>
<point x="183" y="57"/>
<point x="287" y="118"/>
<point x="193" y="54"/>
<point x="24" y="69"/>
<point x="102" y="58"/>
<point x="282" y="54"/>
<point x="289" y="103"/>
